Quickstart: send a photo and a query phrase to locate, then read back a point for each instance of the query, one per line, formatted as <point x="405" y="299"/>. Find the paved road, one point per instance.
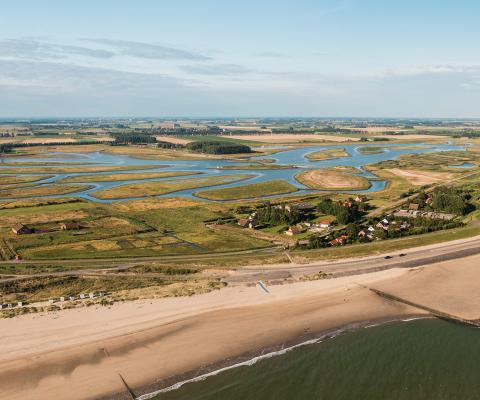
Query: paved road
<point x="412" y="258"/>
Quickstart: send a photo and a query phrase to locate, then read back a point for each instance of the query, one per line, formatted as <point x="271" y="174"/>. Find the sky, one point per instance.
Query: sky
<point x="230" y="58"/>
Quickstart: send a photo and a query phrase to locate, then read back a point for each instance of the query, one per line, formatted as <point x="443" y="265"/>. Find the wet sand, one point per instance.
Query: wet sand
<point x="79" y="354"/>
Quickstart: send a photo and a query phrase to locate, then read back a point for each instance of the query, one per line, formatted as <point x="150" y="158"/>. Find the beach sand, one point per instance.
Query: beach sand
<point x="79" y="354"/>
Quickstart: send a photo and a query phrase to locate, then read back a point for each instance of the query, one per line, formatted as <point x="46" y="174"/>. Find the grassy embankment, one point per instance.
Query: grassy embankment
<point x="371" y="150"/>
<point x="41" y="190"/>
<point x="76" y="169"/>
<point x="164" y="187"/>
<point x="124" y="177"/>
<point x="327" y="179"/>
<point x="251" y="191"/>
<point x="18" y="179"/>
<point x="327" y="154"/>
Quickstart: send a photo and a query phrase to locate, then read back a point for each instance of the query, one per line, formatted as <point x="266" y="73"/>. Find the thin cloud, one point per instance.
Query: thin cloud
<point x="215" y="69"/>
<point x="67" y="77"/>
<point x="149" y="51"/>
<point x="36" y="49"/>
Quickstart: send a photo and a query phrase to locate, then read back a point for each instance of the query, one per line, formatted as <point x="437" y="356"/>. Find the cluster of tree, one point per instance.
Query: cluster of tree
<point x="132" y="138"/>
<point x="344" y="213"/>
<point x="277" y="215"/>
<point x="214" y="147"/>
<point x="5" y="148"/>
<point x="451" y="200"/>
<point x="169" y="145"/>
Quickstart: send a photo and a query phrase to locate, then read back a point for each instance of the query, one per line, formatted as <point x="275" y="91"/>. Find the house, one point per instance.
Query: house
<point x="69" y="226"/>
<point x="243" y="222"/>
<point x="338" y="241"/>
<point x="325" y="224"/>
<point x="20" y="229"/>
<point x="413" y="206"/>
<point x="295" y="230"/>
<point x="361" y="199"/>
<point x="347" y="204"/>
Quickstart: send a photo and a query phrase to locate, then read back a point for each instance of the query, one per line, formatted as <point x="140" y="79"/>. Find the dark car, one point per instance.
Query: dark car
<point x="402" y="255"/>
<point x="387" y="257"/>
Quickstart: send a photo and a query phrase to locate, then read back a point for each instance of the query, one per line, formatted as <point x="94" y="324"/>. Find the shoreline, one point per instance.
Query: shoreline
<point x="151" y="391"/>
<point x="89" y="353"/>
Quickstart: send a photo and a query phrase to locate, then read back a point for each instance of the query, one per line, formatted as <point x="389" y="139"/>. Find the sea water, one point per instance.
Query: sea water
<point x="425" y="359"/>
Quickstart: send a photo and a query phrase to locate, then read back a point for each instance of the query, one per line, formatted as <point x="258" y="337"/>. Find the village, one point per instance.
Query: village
<point x="346" y="221"/>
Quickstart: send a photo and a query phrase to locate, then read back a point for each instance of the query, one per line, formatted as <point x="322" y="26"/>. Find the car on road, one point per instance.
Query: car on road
<point x="387" y="257"/>
<point x="402" y="255"/>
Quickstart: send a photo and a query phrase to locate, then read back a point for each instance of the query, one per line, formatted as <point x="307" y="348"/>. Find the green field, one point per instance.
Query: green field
<point x="251" y="191"/>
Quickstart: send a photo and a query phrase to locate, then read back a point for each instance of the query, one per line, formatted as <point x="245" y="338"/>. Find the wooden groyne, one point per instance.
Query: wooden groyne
<point x="436" y="313"/>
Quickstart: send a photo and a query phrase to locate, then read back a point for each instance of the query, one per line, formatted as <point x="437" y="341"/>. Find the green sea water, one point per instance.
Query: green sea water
<point x="417" y="360"/>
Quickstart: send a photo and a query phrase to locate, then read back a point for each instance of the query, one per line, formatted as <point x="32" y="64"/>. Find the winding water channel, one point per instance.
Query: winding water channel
<point x="213" y="167"/>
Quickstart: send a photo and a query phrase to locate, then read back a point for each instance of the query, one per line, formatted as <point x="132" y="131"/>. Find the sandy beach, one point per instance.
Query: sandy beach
<point x="81" y="353"/>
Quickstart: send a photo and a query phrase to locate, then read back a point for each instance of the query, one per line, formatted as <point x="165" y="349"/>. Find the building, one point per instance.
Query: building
<point x="361" y="199"/>
<point x="295" y="230"/>
<point x="413" y="206"/>
<point x="243" y="222"/>
<point x="338" y="241"/>
<point x="69" y="226"/>
<point x="20" y="229"/>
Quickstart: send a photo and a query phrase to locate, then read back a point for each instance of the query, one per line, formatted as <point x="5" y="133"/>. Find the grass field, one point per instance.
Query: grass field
<point x="41" y="190"/>
<point x="371" y="150"/>
<point x="327" y="179"/>
<point x="124" y="177"/>
<point x="74" y="170"/>
<point x="327" y="154"/>
<point x="253" y="190"/>
<point x="17" y="179"/>
<point x="163" y="187"/>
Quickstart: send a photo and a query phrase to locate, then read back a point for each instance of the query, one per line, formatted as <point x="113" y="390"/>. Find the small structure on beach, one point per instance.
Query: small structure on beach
<point x="20" y="229"/>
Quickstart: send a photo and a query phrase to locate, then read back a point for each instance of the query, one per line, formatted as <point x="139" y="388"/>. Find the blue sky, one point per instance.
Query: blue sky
<point x="230" y="58"/>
